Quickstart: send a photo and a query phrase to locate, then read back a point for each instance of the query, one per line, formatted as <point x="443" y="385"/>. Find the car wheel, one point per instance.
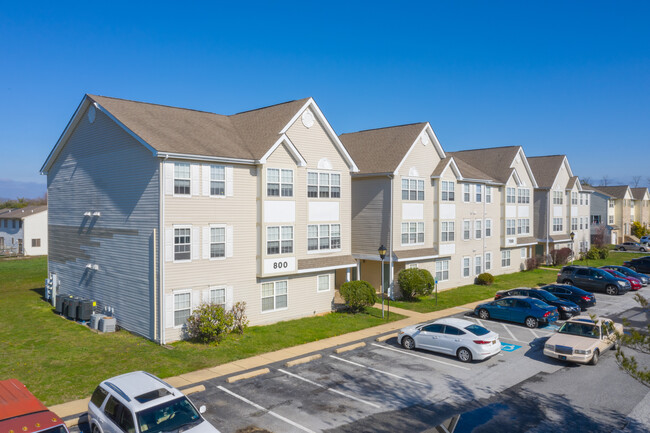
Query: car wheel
<point x="611" y="290"/>
<point x="569" y="282"/>
<point x="483" y="314"/>
<point x="464" y="355"/>
<point x="95" y="429"/>
<point x="594" y="358"/>
<point x="642" y="250"/>
<point x="621" y="249"/>
<point x="633" y="268"/>
<point x="408" y="343"/>
<point x="531" y="322"/>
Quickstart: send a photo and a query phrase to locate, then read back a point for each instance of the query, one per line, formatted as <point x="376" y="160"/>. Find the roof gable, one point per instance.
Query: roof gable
<point x="640" y="193"/>
<point x="546" y="168"/>
<point x="497" y="162"/>
<point x="617" y="191"/>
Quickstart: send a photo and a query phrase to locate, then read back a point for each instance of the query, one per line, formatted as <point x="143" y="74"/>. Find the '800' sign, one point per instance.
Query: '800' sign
<point x="274" y="266"/>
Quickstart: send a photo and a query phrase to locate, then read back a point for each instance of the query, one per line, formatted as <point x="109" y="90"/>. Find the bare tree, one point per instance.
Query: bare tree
<point x="604" y="181"/>
<point x="587" y="180"/>
<point x="635" y="181"/>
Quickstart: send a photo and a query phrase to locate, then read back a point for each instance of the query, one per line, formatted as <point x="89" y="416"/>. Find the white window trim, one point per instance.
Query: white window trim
<point x="225" y="294"/>
<point x="417" y="181"/>
<point x="280" y="239"/>
<point x="274" y="296"/>
<point x="174" y="194"/>
<point x="329" y="185"/>
<point x="322" y="251"/>
<point x="452" y="191"/>
<point x="462" y="267"/>
<point x="468" y="187"/>
<point x="183" y="226"/>
<point x="329" y="285"/>
<point x="280" y="183"/>
<point x="463" y="230"/>
<point x="411" y="244"/>
<point x="476" y="230"/>
<point x="453" y="232"/>
<point x="482" y="265"/>
<point x="225" y="181"/>
<point x="180" y="292"/>
<point x="225" y="244"/>
<point x="442" y="270"/>
<point x="488" y="188"/>
<point x="485" y="261"/>
<point x="506" y="252"/>
<point x="485" y="224"/>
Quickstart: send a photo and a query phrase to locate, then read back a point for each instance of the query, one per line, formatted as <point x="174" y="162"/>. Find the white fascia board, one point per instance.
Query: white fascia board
<point x="432" y="137"/>
<point x="328" y="128"/>
<point x="528" y="169"/>
<point x="328" y="268"/>
<point x="568" y="166"/>
<point x="356" y="175"/>
<point x="72" y="123"/>
<point x="292" y="149"/>
<point x="454" y="168"/>
<point x="434" y="140"/>
<point x="513" y="174"/>
<point x="373" y="257"/>
<point x="406" y="155"/>
<point x="166" y="155"/>
<point x="412" y="259"/>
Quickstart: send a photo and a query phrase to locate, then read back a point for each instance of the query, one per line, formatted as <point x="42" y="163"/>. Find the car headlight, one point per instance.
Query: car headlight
<point x="549" y="347"/>
<point x="565" y="308"/>
<point x="582" y="352"/>
<point x="623" y="283"/>
<point x="400" y="333"/>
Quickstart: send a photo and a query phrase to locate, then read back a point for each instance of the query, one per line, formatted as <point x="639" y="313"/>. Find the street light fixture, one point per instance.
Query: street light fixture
<point x="382" y="255"/>
<point x="573" y="235"/>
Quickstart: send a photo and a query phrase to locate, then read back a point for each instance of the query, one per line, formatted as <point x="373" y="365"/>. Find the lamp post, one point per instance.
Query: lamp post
<point x="573" y="235"/>
<point x="382" y="254"/>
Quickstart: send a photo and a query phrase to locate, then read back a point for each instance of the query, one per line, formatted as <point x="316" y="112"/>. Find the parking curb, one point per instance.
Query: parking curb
<point x="304" y="360"/>
<point x="248" y="375"/>
<point x="382" y="338"/>
<point x="350" y="347"/>
<point x="193" y="389"/>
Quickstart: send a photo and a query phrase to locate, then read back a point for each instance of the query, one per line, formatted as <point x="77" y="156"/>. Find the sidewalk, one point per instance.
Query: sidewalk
<point x="73" y="412"/>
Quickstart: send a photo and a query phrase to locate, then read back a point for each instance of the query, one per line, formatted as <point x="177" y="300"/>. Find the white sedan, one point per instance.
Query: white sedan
<point x="457" y="337"/>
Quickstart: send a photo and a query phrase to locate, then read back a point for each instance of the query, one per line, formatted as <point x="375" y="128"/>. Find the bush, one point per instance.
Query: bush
<point x="415" y="282"/>
<point x="485" y="279"/>
<point x="533" y="263"/>
<point x="638" y="230"/>
<point x="209" y="323"/>
<point x="239" y="319"/>
<point x="603" y="253"/>
<point x="358" y="295"/>
<point x="595" y="253"/>
<point x="560" y="257"/>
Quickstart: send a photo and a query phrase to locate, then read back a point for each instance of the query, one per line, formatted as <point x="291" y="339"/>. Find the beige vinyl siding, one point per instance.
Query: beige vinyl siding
<point x="370" y="214"/>
<point x="35" y="227"/>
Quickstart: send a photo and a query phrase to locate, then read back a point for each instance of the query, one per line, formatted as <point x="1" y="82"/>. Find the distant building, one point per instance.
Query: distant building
<point x="23" y="231"/>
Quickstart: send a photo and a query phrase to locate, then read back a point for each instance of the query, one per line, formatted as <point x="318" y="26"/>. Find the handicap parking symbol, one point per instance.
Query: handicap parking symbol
<point x="509" y="347"/>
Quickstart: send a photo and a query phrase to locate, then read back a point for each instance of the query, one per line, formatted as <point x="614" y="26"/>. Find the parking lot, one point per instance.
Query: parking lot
<point x="360" y="389"/>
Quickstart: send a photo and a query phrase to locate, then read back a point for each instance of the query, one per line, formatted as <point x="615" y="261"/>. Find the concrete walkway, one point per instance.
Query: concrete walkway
<point x="74" y="411"/>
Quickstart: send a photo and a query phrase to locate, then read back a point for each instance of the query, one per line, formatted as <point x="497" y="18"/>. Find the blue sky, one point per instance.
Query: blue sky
<point x="557" y="78"/>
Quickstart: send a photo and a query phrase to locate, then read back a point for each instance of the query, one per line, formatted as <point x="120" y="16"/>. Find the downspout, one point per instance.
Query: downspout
<point x="390" y="239"/>
<point x="483" y="228"/>
<point x="547" y="216"/>
<point x="161" y="255"/>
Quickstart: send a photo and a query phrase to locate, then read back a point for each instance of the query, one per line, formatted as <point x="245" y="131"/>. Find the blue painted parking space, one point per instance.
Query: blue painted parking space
<point x="551" y="327"/>
<point x="505" y="347"/>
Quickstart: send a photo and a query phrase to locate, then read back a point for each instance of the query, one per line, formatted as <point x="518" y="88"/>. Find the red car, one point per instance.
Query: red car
<point x="634" y="282"/>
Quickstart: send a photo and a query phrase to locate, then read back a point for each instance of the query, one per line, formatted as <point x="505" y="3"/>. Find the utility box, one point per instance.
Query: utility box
<point x="107" y="324"/>
<point x="94" y="320"/>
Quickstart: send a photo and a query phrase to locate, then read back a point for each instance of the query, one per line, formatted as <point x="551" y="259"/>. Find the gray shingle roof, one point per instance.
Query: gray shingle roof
<point x="381" y="150"/>
<point x="617" y="191"/>
<point x="494" y="161"/>
<point x="247" y="135"/>
<point x="545" y="168"/>
<point x="21" y="212"/>
<point x="638" y="193"/>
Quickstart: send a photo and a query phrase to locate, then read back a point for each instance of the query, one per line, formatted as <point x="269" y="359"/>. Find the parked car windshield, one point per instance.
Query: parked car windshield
<point x="618" y="274"/>
<point x="537" y="302"/>
<point x="581" y="329"/>
<point x="173" y="416"/>
<point x="477" y="330"/>
<point x="547" y="296"/>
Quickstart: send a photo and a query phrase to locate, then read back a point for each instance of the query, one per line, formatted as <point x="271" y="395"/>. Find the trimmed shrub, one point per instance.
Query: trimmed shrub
<point x="209" y="323"/>
<point x="485" y="279"/>
<point x="638" y="230"/>
<point x="239" y="319"/>
<point x="358" y="295"/>
<point x="593" y="253"/>
<point x="415" y="282"/>
<point x="560" y="257"/>
<point x="603" y="253"/>
<point x="533" y="263"/>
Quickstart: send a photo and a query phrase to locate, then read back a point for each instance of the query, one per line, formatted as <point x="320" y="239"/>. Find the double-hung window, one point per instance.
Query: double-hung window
<point x="488" y="228"/>
<point x="488" y="194"/>
<point x="558" y="197"/>
<point x="182" y="244"/>
<point x="442" y="270"/>
<point x="279" y="182"/>
<point x="467" y="231"/>
<point x="182" y="307"/>
<point x="323" y="283"/>
<point x="574" y="223"/>
<point x="182" y="180"/>
<point x="218" y="297"/>
<point x="510" y="195"/>
<point x="488" y="261"/>
<point x="412" y="233"/>
<point x="478" y="266"/>
<point x="523" y="226"/>
<point x="217" y="180"/>
<point x="447" y="191"/>
<point x="323" y="237"/>
<point x="478" y="229"/>
<point x="412" y="189"/>
<point x="574" y="198"/>
<point x="523" y="196"/>
<point x="323" y="185"/>
<point x="610" y="218"/>
<point x="611" y="203"/>
<point x="557" y="224"/>
<point x="505" y="258"/>
<point x="447" y="231"/>
<point x="217" y="242"/>
<point x="466" y="266"/>
<point x="466" y="192"/>
<point x="274" y="296"/>
<point x="279" y="240"/>
<point x="479" y="193"/>
<point x="510" y="227"/>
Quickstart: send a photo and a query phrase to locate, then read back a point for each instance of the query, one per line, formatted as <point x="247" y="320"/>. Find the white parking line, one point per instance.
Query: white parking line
<point x="378" y="371"/>
<point x="533" y="332"/>
<point x="511" y="334"/>
<point x="403" y="352"/>
<point x="270" y="412"/>
<point x="330" y="389"/>
<point x="479" y="322"/>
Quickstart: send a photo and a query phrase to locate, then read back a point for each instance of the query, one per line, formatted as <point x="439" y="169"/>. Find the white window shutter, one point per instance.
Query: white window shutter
<point x="195" y="243"/>
<point x="168" y="168"/>
<point x="229" y="241"/>
<point x="205" y="179"/>
<point x="196" y="299"/>
<point x="195" y="170"/>
<point x="169" y="311"/>
<point x="229" y="300"/>
<point x="206" y="242"/>
<point x="169" y="245"/>
<point x="230" y="190"/>
<point x="205" y="295"/>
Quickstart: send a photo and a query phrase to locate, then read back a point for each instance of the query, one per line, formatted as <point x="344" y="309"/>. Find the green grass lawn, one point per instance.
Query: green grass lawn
<point x="60" y="360"/>
<point x="614" y="258"/>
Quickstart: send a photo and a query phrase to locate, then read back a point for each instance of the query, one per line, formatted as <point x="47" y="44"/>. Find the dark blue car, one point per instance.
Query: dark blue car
<point x="571" y="293"/>
<point x="629" y="273"/>
<point x="529" y="311"/>
<point x="566" y="309"/>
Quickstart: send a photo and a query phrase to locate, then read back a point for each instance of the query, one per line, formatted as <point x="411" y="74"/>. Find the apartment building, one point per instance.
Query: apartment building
<point x="23" y="231"/>
<point x="561" y="206"/>
<point x="641" y="200"/>
<point x="603" y="213"/>
<point x="621" y="212"/>
<point x="434" y="210"/>
<point x="156" y="209"/>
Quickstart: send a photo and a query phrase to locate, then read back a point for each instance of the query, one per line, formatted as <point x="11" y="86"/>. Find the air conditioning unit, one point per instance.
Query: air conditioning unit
<point x="95" y="319"/>
<point x="107" y="324"/>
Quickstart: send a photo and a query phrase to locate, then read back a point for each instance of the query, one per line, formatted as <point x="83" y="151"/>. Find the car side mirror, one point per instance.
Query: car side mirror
<point x="202" y="409"/>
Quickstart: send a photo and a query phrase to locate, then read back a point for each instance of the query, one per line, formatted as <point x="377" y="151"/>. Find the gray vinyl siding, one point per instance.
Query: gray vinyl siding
<point x="370" y="214"/>
<point x="103" y="169"/>
<point x="541" y="213"/>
